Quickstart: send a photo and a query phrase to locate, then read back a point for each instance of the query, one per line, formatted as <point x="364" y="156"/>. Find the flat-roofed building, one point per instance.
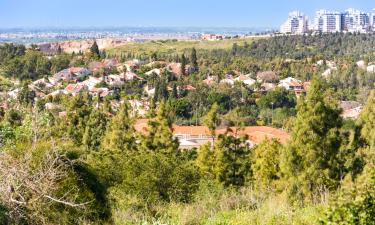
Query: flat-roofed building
<point x="297" y="23"/>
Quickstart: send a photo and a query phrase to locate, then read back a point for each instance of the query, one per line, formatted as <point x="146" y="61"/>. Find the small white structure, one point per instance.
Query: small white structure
<point x="371" y="69"/>
<point x="149" y="91"/>
<point x="227" y="81"/>
<point x="326" y="73"/>
<point x="154" y="71"/>
<point x="361" y="64"/>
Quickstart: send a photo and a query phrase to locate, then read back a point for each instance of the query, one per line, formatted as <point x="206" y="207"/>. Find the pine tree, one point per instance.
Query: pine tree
<point x="159" y="136"/>
<point x="120" y="135"/>
<point x="266" y="164"/>
<point x="310" y="160"/>
<point x="231" y="160"/>
<point x="212" y="120"/>
<point x="205" y="161"/>
<point x="118" y="146"/>
<point x="95" y="130"/>
<point x="78" y="113"/>
<point x="366" y="121"/>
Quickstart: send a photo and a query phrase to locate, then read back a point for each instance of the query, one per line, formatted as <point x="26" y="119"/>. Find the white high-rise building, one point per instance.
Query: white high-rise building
<point x="372" y="20"/>
<point x="355" y="21"/>
<point x="297" y="23"/>
<point x="327" y="21"/>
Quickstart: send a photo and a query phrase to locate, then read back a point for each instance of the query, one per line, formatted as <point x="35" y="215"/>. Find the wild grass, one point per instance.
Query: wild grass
<point x="215" y="205"/>
<point x="176" y="47"/>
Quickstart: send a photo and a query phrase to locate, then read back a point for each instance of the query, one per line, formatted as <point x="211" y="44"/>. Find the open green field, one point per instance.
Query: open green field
<point x="173" y="47"/>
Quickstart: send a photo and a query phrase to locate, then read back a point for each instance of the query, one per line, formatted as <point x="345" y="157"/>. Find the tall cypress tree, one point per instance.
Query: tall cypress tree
<point x="194" y="60"/>
<point x="183" y="64"/>
<point x="95" y="50"/>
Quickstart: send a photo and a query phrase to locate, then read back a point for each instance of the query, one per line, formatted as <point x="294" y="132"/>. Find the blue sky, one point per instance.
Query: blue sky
<point x="197" y="13"/>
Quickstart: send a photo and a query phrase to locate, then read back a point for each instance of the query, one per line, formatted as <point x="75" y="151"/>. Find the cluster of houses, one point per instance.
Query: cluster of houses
<point x="74" y="80"/>
<point x="331" y="66"/>
<point x="267" y="81"/>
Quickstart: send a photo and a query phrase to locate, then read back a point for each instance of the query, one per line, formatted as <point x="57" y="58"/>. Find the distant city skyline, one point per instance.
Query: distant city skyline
<point x="163" y="13"/>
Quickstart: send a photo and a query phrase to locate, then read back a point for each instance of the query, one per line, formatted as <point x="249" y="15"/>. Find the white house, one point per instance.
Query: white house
<point x="114" y="79"/>
<point x="245" y="79"/>
<point x="291" y="83"/>
<point x="91" y="82"/>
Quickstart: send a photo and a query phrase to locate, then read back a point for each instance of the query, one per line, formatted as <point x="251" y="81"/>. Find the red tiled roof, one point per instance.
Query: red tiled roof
<point x="188" y="88"/>
<point x="74" y="87"/>
<point x="256" y="134"/>
<point x="295" y="84"/>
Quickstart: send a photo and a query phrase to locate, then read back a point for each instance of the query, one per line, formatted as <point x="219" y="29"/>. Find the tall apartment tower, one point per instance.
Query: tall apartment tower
<point x="297" y="23"/>
<point x="355" y="21"/>
<point x="328" y="22"/>
<point x="372" y="20"/>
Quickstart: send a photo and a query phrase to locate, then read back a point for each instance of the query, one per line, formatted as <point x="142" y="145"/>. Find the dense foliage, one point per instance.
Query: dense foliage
<point x="83" y="162"/>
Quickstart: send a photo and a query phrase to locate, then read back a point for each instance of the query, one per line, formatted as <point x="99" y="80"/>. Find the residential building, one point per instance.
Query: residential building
<point x="92" y="82"/>
<point x="292" y="84"/>
<point x="71" y="74"/>
<point x="297" y="23"/>
<point x="114" y="79"/>
<point x="353" y="20"/>
<point x="327" y="21"/>
<point x="75" y="88"/>
<point x="245" y="79"/>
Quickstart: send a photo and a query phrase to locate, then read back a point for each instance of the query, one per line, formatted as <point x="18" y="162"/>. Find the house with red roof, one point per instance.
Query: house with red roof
<point x="292" y="84"/>
<point x="75" y="88"/>
<point x="195" y="136"/>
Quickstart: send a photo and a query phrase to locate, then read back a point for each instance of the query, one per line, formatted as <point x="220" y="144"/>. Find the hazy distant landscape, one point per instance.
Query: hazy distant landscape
<point x="29" y="36"/>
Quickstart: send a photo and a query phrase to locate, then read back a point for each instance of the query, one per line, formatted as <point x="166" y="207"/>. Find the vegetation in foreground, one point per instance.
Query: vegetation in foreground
<point x="89" y="166"/>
